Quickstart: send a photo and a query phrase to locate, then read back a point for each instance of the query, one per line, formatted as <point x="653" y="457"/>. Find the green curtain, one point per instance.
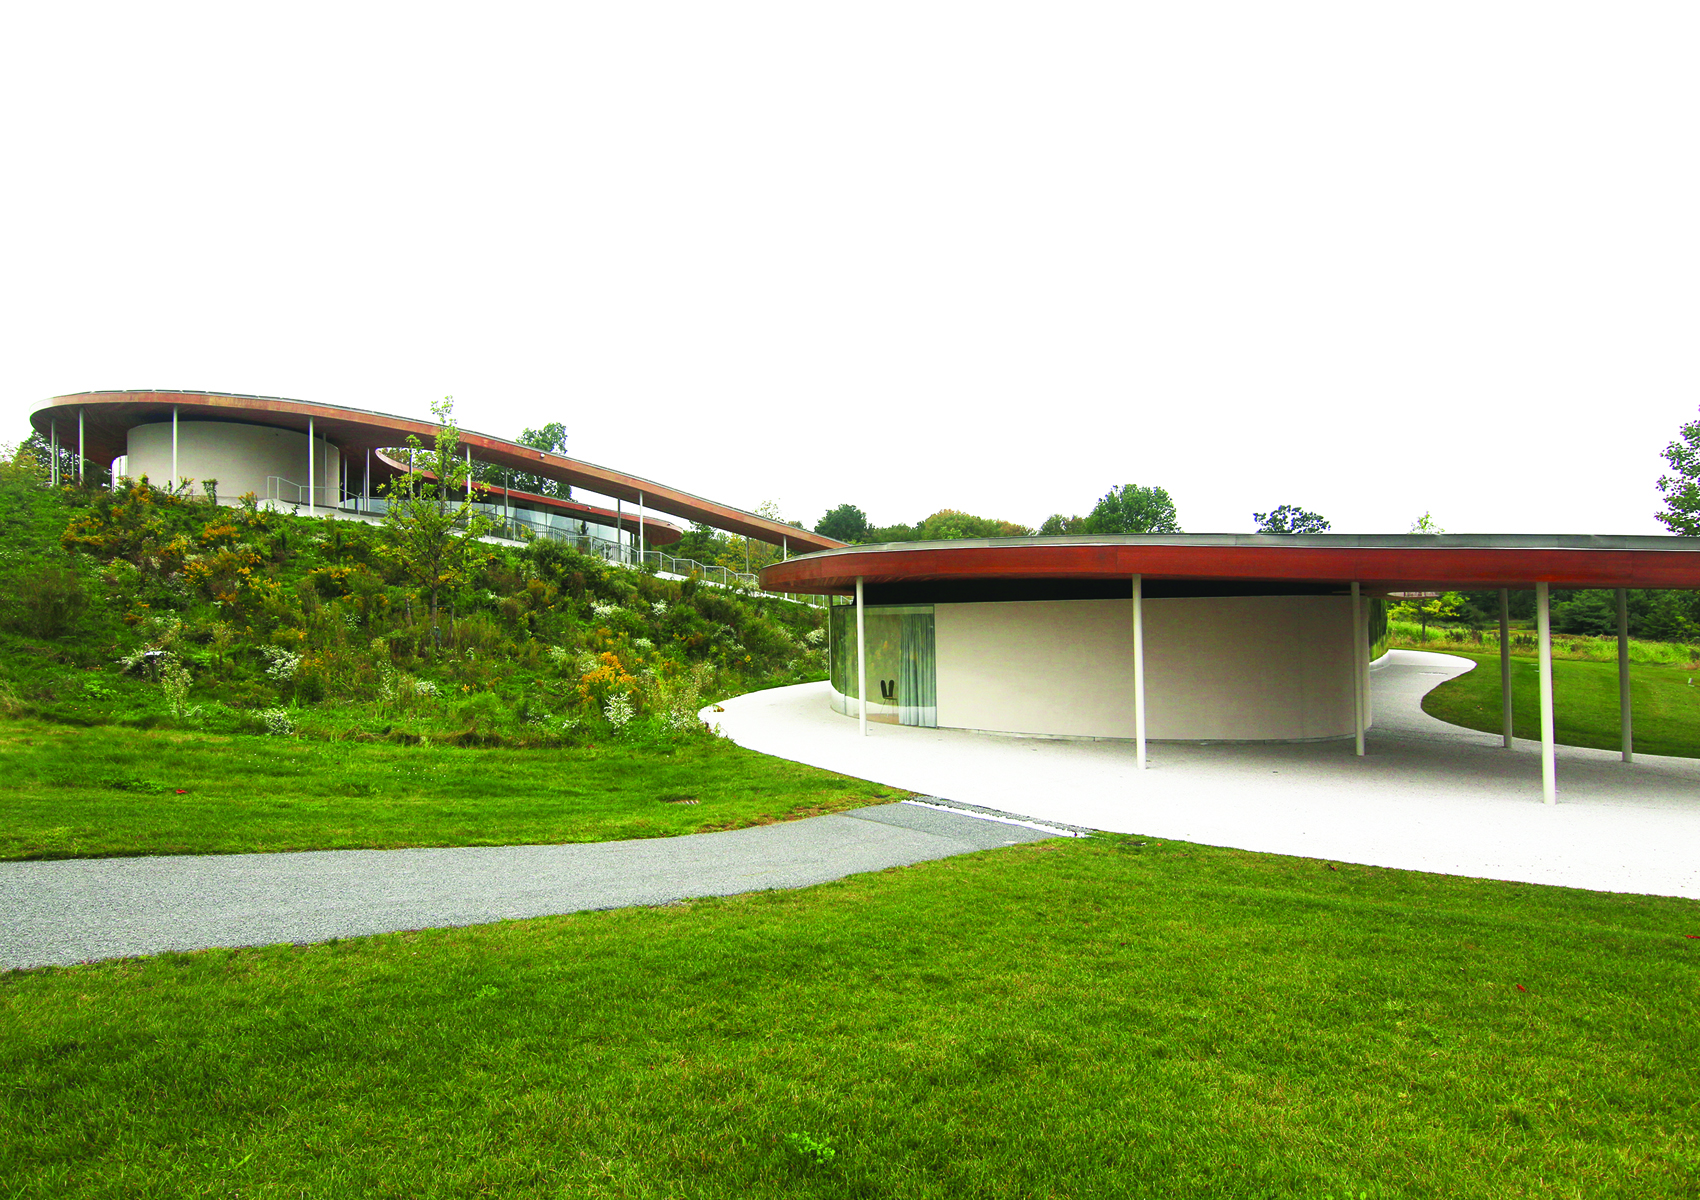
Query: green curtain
<point x="917" y="671"/>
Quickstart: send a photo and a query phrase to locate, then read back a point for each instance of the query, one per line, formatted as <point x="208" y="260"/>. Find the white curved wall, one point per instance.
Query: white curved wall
<point x="240" y="457"/>
<point x="1236" y="668"/>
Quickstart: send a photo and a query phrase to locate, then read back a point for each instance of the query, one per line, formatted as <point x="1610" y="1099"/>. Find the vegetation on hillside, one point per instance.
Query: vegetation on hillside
<point x="148" y="606"/>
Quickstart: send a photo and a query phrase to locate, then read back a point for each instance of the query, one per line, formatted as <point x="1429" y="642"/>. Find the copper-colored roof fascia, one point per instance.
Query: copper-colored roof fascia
<point x="655" y="530"/>
<point x="110" y="415"/>
<point x="1379" y="563"/>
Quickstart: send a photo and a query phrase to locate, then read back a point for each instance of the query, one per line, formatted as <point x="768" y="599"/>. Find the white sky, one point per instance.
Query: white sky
<point x="1369" y="259"/>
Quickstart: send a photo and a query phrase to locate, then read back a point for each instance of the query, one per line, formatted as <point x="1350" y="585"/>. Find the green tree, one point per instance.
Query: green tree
<point x="948" y="525"/>
<point x="894" y="533"/>
<point x="846" y="523"/>
<point x="1057" y="525"/>
<point x="428" y="533"/>
<point x="551" y="439"/>
<point x="1134" y="509"/>
<point x="1290" y="518"/>
<point x="1681" y="489"/>
<point x="1426" y="524"/>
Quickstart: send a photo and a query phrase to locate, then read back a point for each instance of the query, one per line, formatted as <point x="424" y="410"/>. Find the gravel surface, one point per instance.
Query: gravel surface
<point x="78" y="910"/>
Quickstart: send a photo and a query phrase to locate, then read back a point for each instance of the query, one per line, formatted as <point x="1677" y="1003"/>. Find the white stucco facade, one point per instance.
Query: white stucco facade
<point x="240" y="457"/>
<point x="1239" y="668"/>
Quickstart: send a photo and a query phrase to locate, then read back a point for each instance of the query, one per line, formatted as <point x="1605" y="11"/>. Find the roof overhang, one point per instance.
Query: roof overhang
<point x="1380" y="563"/>
<point x="109" y="416"/>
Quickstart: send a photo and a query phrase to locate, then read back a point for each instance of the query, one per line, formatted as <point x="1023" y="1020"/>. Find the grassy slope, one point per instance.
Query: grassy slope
<point x="87" y="793"/>
<point x="1585" y="703"/>
<point x="1063" y="1019"/>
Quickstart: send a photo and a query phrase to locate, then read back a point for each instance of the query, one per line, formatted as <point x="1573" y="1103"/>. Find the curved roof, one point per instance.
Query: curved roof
<point x="1382" y="563"/>
<point x="655" y="531"/>
<point x="109" y="416"/>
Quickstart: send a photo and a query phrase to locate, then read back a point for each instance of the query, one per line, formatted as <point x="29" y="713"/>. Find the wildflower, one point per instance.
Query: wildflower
<point x="284" y="663"/>
<point x="619" y="711"/>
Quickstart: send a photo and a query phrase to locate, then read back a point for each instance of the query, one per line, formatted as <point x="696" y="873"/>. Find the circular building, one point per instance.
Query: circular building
<point x="1168" y="637"/>
<point x="328" y="459"/>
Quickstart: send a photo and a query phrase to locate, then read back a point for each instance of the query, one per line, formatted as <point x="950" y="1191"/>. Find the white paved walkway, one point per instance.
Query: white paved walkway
<point x="1428" y="796"/>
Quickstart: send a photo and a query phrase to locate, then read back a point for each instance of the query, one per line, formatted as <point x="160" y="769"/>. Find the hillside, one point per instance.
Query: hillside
<point x="144" y="608"/>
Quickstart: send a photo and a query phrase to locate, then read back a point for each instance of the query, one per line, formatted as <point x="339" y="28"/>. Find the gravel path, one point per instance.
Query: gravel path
<point x="83" y="909"/>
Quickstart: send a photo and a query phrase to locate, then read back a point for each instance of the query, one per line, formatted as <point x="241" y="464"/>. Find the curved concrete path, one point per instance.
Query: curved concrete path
<point x="78" y="910"/>
<point x="1428" y="796"/>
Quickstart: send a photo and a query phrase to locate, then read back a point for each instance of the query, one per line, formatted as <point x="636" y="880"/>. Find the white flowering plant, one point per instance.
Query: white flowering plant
<point x="619" y="711"/>
<point x="282" y="663"/>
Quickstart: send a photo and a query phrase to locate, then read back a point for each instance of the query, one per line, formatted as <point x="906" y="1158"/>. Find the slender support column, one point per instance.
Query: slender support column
<point x="507" y="504"/>
<point x="619" y="530"/>
<point x="1369" y="697"/>
<point x="1358" y="649"/>
<point x="861" y="661"/>
<point x="1549" y="758"/>
<point x="1139" y="669"/>
<point x="1506" y="721"/>
<point x="469" y="474"/>
<point x="79" y="443"/>
<point x="53" y="450"/>
<point x="366" y="488"/>
<point x="1624" y="717"/>
<point x="174" y="445"/>
<point x="310" y="464"/>
<point x="641" y="546"/>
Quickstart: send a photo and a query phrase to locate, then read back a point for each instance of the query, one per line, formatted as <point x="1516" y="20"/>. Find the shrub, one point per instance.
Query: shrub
<point x="53" y="604"/>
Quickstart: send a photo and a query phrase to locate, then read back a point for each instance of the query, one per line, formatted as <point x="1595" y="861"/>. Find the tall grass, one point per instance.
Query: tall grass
<point x="1408" y="635"/>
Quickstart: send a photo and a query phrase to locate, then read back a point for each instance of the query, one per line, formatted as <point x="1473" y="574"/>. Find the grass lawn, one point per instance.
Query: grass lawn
<point x="81" y="793"/>
<point x="1585" y="709"/>
<point x="1084" y="1018"/>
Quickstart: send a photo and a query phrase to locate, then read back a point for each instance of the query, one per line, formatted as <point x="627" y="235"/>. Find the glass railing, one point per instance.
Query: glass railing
<point x="514" y="527"/>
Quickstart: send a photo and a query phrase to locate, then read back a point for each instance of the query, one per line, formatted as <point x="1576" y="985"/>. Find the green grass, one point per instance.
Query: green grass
<point x="1093" y="1018"/>
<point x="77" y="793"/>
<point x="1585" y="703"/>
<point x="1453" y="639"/>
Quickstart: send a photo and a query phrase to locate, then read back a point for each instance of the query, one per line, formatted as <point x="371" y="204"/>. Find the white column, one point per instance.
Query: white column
<point x="1369" y="698"/>
<point x="1624" y="717"/>
<point x="1549" y="759"/>
<point x="1358" y="649"/>
<point x="619" y="530"/>
<point x="174" y="448"/>
<point x="53" y="450"/>
<point x="1139" y="670"/>
<point x="469" y="474"/>
<point x="366" y="487"/>
<point x="309" y="465"/>
<point x="79" y="443"/>
<point x="1506" y="721"/>
<point x="861" y="661"/>
<point x="507" y="504"/>
<point x="640" y="527"/>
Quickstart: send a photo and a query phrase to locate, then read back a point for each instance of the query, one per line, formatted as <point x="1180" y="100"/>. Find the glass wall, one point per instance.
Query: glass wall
<point x="901" y="663"/>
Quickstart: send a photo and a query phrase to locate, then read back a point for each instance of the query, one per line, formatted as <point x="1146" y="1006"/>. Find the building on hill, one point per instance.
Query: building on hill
<point x="1178" y="637"/>
<point x="322" y="459"/>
